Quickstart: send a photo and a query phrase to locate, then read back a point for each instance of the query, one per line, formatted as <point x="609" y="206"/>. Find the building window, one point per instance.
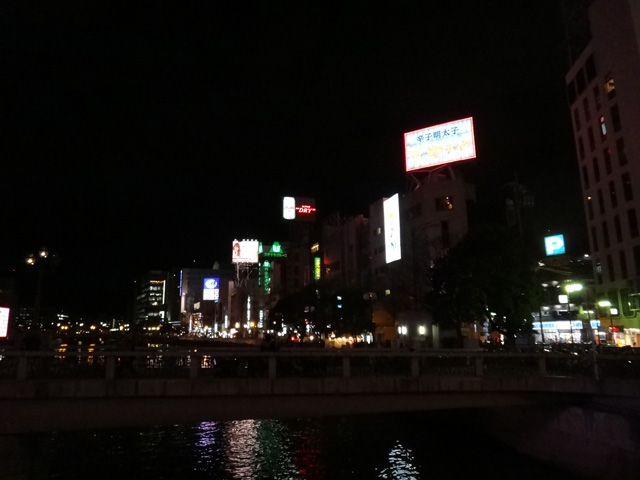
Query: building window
<point x="603" y="128"/>
<point x="580" y="148"/>
<point x="596" y="97"/>
<point x="599" y="271"/>
<point x="605" y="234"/>
<point x="444" y="203"/>
<point x="585" y="106"/>
<point x="633" y="223"/>
<point x="592" y="140"/>
<point x="600" y="202"/>
<point x="636" y="259"/>
<point x="612" y="273"/>
<point x="590" y="208"/>
<point x="627" y="188"/>
<point x="623" y="265"/>
<point x="594" y="239"/>
<point x="576" y="119"/>
<point x="606" y="153"/>
<point x="618" y="227"/>
<point x="596" y="169"/>
<point x="615" y="118"/>
<point x="622" y="156"/>
<point x="585" y="177"/>
<point x="610" y="87"/>
<point x="612" y="194"/>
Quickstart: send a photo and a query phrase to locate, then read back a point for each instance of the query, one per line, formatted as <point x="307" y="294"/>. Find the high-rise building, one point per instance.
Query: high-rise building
<point x="603" y="85"/>
<point x="150" y="307"/>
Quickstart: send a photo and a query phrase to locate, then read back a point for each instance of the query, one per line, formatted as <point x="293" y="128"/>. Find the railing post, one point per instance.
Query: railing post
<point x="346" y="366"/>
<point x="542" y="366"/>
<point x="272" y="367"/>
<point x="415" y="366"/>
<point x="22" y="367"/>
<point x="110" y="370"/>
<point x="194" y="368"/>
<point x="479" y="366"/>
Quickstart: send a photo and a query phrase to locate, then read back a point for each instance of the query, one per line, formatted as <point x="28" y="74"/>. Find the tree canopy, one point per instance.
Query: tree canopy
<point x="490" y="275"/>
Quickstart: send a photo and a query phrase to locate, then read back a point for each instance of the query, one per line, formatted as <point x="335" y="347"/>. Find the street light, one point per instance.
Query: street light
<point x="607" y="304"/>
<point x="571" y="288"/>
<point x="32" y="260"/>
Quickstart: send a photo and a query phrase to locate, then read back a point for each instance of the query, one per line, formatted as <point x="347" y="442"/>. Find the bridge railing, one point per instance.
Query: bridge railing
<point x="306" y="363"/>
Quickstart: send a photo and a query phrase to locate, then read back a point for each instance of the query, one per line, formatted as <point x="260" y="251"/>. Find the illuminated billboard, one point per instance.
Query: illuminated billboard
<point x="244" y="251"/>
<point x="211" y="289"/>
<point x="391" y="211"/>
<point x="4" y="321"/>
<point x="298" y="208"/>
<point x="554" y="245"/>
<point x="439" y="144"/>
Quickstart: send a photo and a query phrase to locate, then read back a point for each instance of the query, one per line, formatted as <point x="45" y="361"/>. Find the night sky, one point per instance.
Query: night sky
<point x="146" y="135"/>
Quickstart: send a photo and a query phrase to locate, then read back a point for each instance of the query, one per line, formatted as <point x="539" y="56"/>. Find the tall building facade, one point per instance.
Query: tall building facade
<point x="603" y="85"/>
<point x="150" y="306"/>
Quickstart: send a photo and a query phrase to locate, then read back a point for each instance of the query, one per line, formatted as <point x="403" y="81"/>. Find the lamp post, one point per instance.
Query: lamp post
<point x="32" y="260"/>
<point x="570" y="288"/>
<point x="607" y="304"/>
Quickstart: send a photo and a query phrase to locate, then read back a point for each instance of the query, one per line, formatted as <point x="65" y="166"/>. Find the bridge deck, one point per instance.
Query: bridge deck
<point x="46" y="391"/>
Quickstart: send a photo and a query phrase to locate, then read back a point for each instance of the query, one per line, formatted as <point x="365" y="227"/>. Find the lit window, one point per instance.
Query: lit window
<point x="603" y="126"/>
<point x="610" y="88"/>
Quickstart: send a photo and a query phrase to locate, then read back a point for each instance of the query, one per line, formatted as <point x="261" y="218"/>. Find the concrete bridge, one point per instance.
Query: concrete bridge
<point x="62" y="391"/>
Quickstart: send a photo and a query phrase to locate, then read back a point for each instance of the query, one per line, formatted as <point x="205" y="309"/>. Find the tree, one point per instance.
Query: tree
<point x="489" y="275"/>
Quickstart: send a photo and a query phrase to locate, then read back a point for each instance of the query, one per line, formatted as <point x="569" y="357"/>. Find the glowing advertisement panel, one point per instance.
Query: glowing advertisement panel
<point x="4" y="321"/>
<point x="391" y="211"/>
<point x="554" y="245"/>
<point x="211" y="289"/>
<point x="244" y="251"/>
<point x="298" y="208"/>
<point x="439" y="144"/>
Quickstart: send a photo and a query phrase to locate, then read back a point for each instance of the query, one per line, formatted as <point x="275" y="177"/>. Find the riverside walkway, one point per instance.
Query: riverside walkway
<point x="73" y="390"/>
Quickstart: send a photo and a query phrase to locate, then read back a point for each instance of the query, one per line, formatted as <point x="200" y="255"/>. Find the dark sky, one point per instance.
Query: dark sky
<point x="145" y="135"/>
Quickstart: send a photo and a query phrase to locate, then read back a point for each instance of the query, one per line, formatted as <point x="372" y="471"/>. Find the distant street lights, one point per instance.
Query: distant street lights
<point x="33" y="260"/>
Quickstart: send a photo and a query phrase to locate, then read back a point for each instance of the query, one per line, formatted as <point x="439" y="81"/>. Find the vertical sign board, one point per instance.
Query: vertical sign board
<point x="211" y="289"/>
<point x="391" y="211"/>
<point x="554" y="245"/>
<point x="4" y="322"/>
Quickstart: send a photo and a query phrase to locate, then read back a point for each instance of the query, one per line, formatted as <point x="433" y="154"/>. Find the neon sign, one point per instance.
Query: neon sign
<point x="298" y="208"/>
<point x="305" y="209"/>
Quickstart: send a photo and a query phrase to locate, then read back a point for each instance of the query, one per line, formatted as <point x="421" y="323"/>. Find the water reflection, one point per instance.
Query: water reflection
<point x="400" y="464"/>
<point x="405" y="447"/>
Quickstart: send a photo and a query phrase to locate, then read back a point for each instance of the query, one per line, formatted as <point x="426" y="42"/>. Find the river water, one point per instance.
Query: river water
<point x="398" y="446"/>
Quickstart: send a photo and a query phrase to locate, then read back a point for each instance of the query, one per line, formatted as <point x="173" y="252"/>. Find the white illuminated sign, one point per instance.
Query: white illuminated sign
<point x="298" y="208"/>
<point x="244" y="251"/>
<point x="391" y="211"/>
<point x="211" y="290"/>
<point x="439" y="144"/>
<point x="4" y="321"/>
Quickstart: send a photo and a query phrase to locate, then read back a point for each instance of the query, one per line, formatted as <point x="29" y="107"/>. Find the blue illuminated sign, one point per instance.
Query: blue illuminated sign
<point x="554" y="245"/>
<point x="211" y="290"/>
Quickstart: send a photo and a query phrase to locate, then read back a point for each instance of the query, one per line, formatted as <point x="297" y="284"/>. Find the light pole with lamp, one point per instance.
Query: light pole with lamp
<point x="571" y="288"/>
<point x="32" y="260"/>
<point x="607" y="304"/>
